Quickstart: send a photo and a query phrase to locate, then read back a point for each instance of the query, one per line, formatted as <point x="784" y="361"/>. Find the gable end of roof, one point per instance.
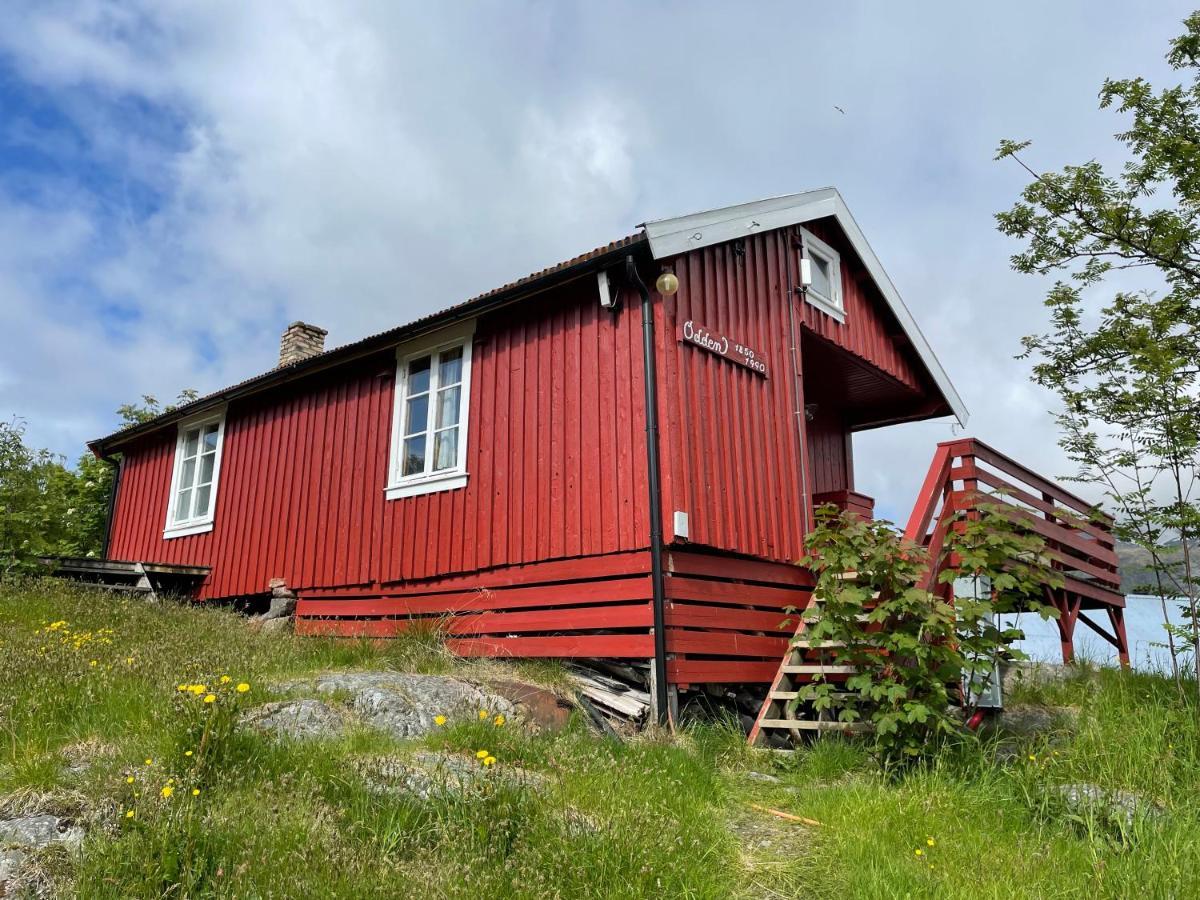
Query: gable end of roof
<point x="671" y="237"/>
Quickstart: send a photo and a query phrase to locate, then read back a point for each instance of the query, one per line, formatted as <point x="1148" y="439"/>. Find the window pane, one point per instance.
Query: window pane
<point x="188" y="476"/>
<point x="206" y="467"/>
<point x="445" y="445"/>
<point x="414" y="455"/>
<point x="821" y="276"/>
<point x="202" y="495"/>
<point x="210" y="437"/>
<point x="183" y="505"/>
<point x="447" y="408"/>
<point x="450" y="366"/>
<point x="418" y="376"/>
<point x="191" y="442"/>
<point x="417" y="418"/>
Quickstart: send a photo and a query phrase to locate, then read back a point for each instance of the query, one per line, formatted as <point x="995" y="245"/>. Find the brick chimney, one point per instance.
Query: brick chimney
<point x="300" y="341"/>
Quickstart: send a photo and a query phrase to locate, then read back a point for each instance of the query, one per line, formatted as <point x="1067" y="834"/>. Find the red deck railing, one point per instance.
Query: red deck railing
<point x="967" y="473"/>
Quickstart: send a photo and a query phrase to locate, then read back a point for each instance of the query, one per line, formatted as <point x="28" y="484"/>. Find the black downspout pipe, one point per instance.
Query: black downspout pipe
<point x="653" y="476"/>
<point x="112" y="505"/>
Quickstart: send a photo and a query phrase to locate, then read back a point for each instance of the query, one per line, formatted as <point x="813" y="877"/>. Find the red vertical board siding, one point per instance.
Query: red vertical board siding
<point x="555" y="422"/>
<point x="867" y="331"/>
<point x="731" y="445"/>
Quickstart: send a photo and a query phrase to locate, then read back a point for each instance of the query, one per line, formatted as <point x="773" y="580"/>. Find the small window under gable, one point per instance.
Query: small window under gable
<point x="825" y="292"/>
<point x="429" y="422"/>
<point x="195" y="474"/>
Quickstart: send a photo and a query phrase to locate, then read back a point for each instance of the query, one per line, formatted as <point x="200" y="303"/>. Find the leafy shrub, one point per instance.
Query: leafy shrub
<point x="912" y="644"/>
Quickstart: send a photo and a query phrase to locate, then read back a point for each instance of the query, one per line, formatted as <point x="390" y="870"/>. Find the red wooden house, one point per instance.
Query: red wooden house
<point x="593" y="461"/>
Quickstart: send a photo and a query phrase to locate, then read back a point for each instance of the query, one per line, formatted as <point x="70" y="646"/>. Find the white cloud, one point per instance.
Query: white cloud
<point x="360" y="164"/>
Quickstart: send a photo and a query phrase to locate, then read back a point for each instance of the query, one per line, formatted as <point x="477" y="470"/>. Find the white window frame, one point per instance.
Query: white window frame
<point x="195" y="524"/>
<point x="428" y="482"/>
<point x="832" y="305"/>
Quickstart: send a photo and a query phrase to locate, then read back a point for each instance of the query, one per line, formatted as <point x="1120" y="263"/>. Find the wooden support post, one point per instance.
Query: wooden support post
<point x="1116" y="615"/>
<point x="1068" y="610"/>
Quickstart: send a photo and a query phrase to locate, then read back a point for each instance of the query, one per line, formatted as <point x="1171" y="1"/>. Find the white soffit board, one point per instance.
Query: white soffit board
<point x="670" y="237"/>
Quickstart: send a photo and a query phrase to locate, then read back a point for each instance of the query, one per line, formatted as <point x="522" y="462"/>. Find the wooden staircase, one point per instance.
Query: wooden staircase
<point x="966" y="475"/>
<point x="784" y="719"/>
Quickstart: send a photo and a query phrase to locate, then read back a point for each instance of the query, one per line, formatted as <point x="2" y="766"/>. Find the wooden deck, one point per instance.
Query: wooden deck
<point x="966" y="474"/>
<point x="134" y="576"/>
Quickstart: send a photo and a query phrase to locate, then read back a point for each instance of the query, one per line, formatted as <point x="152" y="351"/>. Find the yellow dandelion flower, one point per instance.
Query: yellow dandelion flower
<point x="1033" y="757"/>
<point x="499" y="720"/>
<point x="183" y="687"/>
<point x="930" y="841"/>
<point x="92" y="664"/>
<point x="482" y="754"/>
<point x="243" y="687"/>
<point x="198" y="689"/>
<point x="129" y="813"/>
<point x="919" y="852"/>
<point x="167" y="790"/>
<point x="225" y="679"/>
<point x="129" y="780"/>
<point x="187" y="753"/>
<point x="483" y="714"/>
<point x="149" y="761"/>
<point x="489" y="760"/>
<point x="195" y="792"/>
<point x="439" y="720"/>
<point x="129" y="660"/>
<point x="211" y="698"/>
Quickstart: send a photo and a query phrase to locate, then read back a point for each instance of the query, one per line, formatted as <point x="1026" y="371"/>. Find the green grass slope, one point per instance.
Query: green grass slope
<point x="664" y="816"/>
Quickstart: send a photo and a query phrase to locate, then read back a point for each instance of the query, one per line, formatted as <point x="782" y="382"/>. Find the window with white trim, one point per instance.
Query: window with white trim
<point x="194" y="476"/>
<point x="825" y="292"/>
<point x="429" y="423"/>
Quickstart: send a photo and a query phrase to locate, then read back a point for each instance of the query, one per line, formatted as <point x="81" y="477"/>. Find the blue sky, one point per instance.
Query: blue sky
<point x="178" y="181"/>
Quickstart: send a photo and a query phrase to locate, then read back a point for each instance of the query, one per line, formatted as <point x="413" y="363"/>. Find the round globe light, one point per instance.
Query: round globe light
<point x="667" y="284"/>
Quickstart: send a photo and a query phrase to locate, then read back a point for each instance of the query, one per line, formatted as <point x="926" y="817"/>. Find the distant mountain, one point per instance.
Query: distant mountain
<point x="1136" y="575"/>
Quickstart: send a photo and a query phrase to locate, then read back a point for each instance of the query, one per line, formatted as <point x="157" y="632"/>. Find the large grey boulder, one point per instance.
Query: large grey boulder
<point x="19" y="836"/>
<point x="10" y="862"/>
<point x="439" y="773"/>
<point x="303" y="718"/>
<point x="1120" y="806"/>
<point x="37" y="831"/>
<point x="405" y="705"/>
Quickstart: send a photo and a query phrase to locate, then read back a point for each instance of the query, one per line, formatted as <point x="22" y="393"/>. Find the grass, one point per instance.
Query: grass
<point x="668" y="816"/>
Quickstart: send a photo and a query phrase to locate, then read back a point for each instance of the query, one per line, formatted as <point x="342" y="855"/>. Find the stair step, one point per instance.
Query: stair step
<point x="813" y="725"/>
<point x="862" y="617"/>
<point x="819" y="670"/>
<point x="792" y="695"/>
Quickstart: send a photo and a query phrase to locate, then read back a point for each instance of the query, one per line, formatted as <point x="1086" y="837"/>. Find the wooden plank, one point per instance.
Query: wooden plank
<point x="577" y="594"/>
<point x="633" y="615"/>
<point x="679" y="588"/>
<point x="688" y="671"/>
<point x="724" y="643"/>
<point x="967" y="471"/>
<point x="817" y="669"/>
<point x="682" y="562"/>
<point x="1068" y="537"/>
<point x="1011" y="467"/>
<point x="812" y="725"/>
<point x="928" y="496"/>
<point x="623" y="646"/>
<point x="1093" y="592"/>
<point x="725" y="617"/>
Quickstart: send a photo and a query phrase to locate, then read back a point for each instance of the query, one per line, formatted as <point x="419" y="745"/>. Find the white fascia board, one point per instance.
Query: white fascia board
<point x="670" y="237"/>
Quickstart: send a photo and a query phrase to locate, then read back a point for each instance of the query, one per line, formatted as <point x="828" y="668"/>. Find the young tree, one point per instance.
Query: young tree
<point x="915" y="645"/>
<point x="48" y="509"/>
<point x="1127" y="372"/>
